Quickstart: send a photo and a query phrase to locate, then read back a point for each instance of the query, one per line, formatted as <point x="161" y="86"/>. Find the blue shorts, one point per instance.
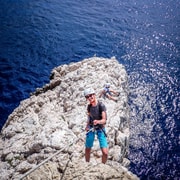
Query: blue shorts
<point x="101" y="137"/>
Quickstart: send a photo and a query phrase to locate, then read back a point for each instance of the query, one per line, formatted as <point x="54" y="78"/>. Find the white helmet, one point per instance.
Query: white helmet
<point x="107" y="85"/>
<point x="89" y="91"/>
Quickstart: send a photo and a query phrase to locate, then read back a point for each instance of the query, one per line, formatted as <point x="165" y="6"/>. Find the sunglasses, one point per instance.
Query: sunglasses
<point x="88" y="96"/>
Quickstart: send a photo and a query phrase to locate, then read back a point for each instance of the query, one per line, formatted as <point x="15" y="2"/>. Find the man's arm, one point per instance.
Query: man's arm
<point x="88" y="122"/>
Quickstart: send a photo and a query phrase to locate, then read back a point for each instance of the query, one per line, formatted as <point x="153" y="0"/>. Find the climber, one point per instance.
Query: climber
<point x="95" y="125"/>
<point x="107" y="92"/>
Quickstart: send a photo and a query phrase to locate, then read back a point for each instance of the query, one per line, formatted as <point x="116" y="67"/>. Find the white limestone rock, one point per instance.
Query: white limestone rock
<point x="53" y="120"/>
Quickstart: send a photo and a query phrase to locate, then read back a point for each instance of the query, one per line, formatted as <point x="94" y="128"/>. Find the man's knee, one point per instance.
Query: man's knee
<point x="105" y="151"/>
<point x="88" y="150"/>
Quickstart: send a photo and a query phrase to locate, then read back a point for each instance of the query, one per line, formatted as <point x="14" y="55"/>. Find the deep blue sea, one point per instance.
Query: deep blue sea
<point x="144" y="35"/>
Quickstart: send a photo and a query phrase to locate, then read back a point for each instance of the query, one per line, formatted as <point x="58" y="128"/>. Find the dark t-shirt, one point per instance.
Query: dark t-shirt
<point x="95" y="112"/>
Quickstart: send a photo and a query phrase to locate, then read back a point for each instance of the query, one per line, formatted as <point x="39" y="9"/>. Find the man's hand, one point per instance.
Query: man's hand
<point x="95" y="122"/>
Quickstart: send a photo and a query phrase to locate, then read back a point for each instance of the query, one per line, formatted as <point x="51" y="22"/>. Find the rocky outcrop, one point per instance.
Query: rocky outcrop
<point x="48" y="127"/>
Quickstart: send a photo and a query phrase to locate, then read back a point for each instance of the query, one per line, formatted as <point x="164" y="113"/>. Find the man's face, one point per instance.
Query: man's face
<point x="91" y="98"/>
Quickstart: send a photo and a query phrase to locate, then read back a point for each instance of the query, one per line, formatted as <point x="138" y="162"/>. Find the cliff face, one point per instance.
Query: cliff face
<point x="53" y="120"/>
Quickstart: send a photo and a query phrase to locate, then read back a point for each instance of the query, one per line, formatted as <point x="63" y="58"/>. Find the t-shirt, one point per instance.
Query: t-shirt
<point x="96" y="111"/>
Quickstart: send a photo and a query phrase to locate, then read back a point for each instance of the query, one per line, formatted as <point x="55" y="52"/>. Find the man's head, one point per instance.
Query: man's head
<point x="107" y="85"/>
<point x="89" y="94"/>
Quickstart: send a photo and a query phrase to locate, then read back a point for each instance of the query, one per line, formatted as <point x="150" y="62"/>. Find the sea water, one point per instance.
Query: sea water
<point x="144" y="35"/>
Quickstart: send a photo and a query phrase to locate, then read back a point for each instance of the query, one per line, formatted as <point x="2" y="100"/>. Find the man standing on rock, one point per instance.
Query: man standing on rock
<point x="95" y="125"/>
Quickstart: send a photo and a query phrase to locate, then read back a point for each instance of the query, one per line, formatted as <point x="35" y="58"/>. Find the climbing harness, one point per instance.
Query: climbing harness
<point x="93" y="129"/>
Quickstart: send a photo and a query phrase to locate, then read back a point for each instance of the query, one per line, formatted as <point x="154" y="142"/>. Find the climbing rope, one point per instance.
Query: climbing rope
<point x="53" y="155"/>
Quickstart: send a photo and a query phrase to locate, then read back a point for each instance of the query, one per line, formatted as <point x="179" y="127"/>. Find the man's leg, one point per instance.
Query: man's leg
<point x="89" y="144"/>
<point x="87" y="154"/>
<point x="103" y="144"/>
<point x="112" y="98"/>
<point x="104" y="154"/>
